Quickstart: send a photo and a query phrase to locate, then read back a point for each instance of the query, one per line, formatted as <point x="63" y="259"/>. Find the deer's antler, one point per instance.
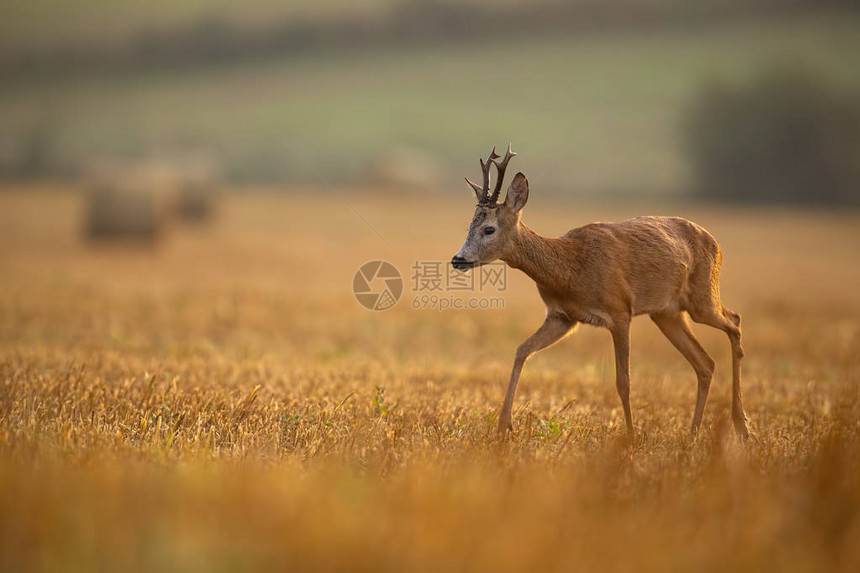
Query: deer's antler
<point x="500" y="167"/>
<point x="485" y="169"/>
<point x="484" y="190"/>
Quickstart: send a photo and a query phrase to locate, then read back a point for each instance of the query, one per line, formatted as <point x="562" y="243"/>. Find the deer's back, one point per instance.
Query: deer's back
<point x="641" y="265"/>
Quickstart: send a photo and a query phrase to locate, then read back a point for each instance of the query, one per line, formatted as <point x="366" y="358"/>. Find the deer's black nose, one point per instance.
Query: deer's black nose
<point x="461" y="263"/>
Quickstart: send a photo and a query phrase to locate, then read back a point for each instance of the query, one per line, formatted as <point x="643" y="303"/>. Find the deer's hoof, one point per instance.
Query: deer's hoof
<point x="741" y="428"/>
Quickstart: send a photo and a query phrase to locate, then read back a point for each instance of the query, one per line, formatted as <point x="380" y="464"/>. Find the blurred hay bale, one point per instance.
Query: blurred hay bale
<point x="407" y="167"/>
<point x="197" y="190"/>
<point x="787" y="137"/>
<point x="129" y="202"/>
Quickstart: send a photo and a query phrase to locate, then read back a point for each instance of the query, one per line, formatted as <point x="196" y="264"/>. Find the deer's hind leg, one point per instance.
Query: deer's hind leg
<point x="676" y="327"/>
<point x="729" y="321"/>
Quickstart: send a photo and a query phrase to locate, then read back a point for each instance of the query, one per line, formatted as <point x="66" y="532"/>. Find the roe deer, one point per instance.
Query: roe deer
<point x="603" y="274"/>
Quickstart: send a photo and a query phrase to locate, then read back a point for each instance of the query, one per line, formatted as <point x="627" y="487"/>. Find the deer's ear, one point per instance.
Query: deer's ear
<point x="518" y="193"/>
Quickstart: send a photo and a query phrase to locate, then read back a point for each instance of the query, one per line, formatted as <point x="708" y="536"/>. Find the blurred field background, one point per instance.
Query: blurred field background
<point x="594" y="94"/>
<point x="188" y="384"/>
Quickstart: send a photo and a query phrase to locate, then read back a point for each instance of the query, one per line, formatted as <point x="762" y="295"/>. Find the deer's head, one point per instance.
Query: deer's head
<point x="494" y="224"/>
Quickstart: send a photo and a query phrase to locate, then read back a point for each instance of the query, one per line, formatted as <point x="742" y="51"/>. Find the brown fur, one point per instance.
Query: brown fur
<point x="604" y="274"/>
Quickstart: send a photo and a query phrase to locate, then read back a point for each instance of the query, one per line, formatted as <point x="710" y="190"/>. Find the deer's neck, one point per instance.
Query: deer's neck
<point x="542" y="259"/>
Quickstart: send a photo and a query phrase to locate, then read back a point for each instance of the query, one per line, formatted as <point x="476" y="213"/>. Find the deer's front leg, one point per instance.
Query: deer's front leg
<point x="621" y="340"/>
<point x="554" y="328"/>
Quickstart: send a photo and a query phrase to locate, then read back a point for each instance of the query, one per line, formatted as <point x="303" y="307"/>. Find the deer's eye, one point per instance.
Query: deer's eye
<point x="489" y="230"/>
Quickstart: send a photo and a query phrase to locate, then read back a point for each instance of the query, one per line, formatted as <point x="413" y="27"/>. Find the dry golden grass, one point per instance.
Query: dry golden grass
<point x="221" y="403"/>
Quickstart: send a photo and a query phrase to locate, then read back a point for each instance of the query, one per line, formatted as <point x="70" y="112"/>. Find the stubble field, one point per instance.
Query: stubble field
<point x="220" y="402"/>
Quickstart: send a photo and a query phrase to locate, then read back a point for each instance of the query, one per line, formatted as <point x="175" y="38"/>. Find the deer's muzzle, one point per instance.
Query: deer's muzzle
<point x="461" y="264"/>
